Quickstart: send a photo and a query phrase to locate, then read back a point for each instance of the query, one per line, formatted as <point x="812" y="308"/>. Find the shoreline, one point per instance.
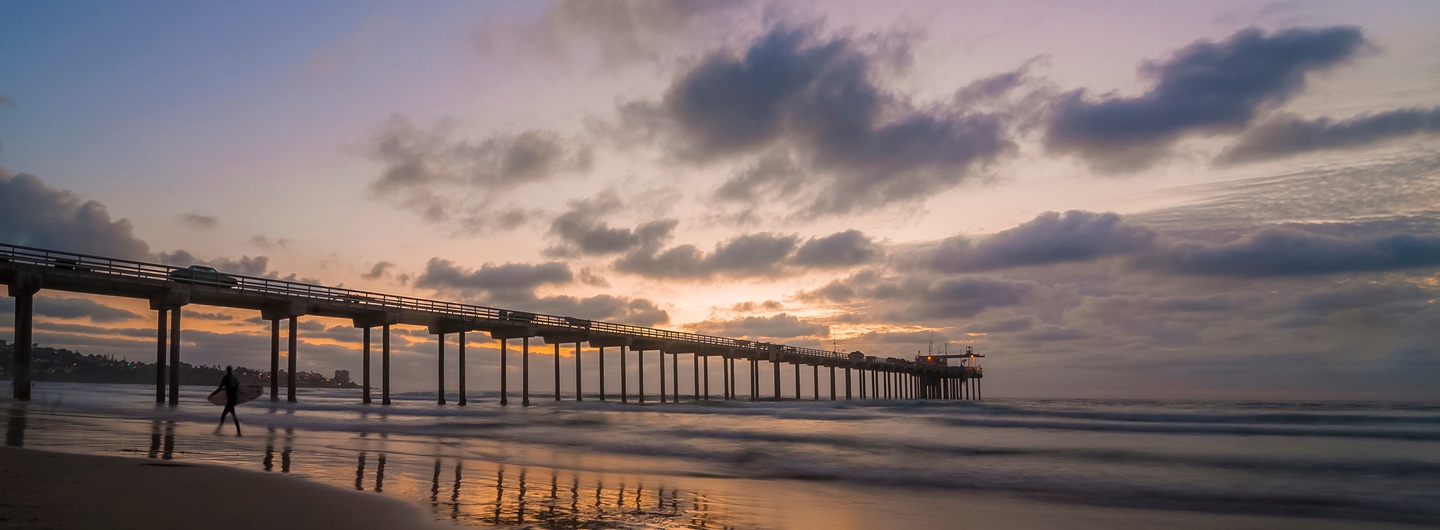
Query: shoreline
<point x="44" y="489"/>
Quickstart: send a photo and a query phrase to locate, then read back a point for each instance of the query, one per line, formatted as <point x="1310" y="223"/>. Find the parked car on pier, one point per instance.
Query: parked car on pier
<point x="203" y="275"/>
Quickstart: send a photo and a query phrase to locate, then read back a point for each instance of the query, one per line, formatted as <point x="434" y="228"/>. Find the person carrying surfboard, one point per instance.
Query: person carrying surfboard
<point x="231" y="385"/>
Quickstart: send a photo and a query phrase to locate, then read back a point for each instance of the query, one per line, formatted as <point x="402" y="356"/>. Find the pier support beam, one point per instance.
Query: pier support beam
<point x="504" y="391"/>
<point x="290" y="377"/>
<point x="579" y="395"/>
<point x="815" y="379"/>
<point x="663" y="397"/>
<point x="440" y="370"/>
<point x="860" y="376"/>
<point x="674" y="375"/>
<point x="832" y="382"/>
<point x="624" y="390"/>
<point x="725" y="376"/>
<point x="602" y="373"/>
<point x="847" y="383"/>
<point x="365" y="365"/>
<point x="175" y="356"/>
<point x="797" y="381"/>
<point x="640" y="354"/>
<point x="162" y="334"/>
<point x="557" y="371"/>
<point x="23" y="288"/>
<point x="707" y="377"/>
<point x="776" y="368"/>
<point x="524" y="371"/>
<point x="461" y="399"/>
<point x="754" y="379"/>
<point x="385" y="365"/>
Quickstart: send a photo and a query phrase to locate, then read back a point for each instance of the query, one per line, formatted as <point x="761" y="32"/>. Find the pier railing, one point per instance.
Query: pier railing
<point x="85" y="264"/>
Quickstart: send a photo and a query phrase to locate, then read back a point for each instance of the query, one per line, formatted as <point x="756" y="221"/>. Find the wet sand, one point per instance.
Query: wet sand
<point x="40" y="489"/>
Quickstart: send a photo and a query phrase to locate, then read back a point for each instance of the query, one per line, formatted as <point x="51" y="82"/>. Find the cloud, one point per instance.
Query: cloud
<point x="747" y="255"/>
<point x="453" y="181"/>
<point x="781" y="326"/>
<point x="582" y="233"/>
<point x="1290" y="135"/>
<point x="988" y="90"/>
<point x="195" y="220"/>
<point x="245" y="266"/>
<point x="842" y="249"/>
<point x="378" y="270"/>
<point x="633" y="311"/>
<point x="1048" y="239"/>
<point x="831" y="140"/>
<point x="628" y="31"/>
<point x="35" y="214"/>
<point x="876" y="296"/>
<point x="750" y="307"/>
<point x="6" y="102"/>
<point x="266" y="243"/>
<point x="1206" y="87"/>
<point x="443" y="275"/>
<point x="81" y="308"/>
<point x="967" y="297"/>
<point x="1288" y="251"/>
<point x="757" y="255"/>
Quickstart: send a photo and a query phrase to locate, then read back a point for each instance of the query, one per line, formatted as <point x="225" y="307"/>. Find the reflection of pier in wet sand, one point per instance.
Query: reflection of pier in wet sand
<point x="488" y="493"/>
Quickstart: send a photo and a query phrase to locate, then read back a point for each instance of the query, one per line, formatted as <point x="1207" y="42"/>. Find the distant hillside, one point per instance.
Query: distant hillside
<point x="58" y="364"/>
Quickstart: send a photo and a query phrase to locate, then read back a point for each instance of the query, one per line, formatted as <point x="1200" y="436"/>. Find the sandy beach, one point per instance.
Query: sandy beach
<point x="64" y="491"/>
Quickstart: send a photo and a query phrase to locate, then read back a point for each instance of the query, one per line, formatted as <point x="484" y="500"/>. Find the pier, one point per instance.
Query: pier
<point x="26" y="271"/>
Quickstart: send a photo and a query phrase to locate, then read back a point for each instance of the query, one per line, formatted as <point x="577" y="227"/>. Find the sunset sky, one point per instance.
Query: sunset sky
<point x="1129" y="199"/>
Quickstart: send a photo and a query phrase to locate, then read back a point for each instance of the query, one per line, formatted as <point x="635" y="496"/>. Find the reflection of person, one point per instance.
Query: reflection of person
<point x="232" y="395"/>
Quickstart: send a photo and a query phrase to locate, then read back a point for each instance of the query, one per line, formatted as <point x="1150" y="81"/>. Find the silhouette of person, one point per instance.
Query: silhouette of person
<point x="232" y="395"/>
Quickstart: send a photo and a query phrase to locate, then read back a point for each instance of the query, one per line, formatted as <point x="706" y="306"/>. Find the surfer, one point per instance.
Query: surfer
<point x="232" y="396"/>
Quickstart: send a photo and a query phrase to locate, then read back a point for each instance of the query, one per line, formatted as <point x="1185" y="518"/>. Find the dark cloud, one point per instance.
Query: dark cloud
<point x="997" y="87"/>
<point x="453" y="181"/>
<point x="210" y="316"/>
<point x="78" y="308"/>
<point x="912" y="298"/>
<point x="842" y="249"/>
<point x="444" y="275"/>
<point x="967" y="297"/>
<point x="633" y="311"/>
<point x="1004" y="325"/>
<point x="1381" y="305"/>
<point x="378" y="270"/>
<point x="781" y="326"/>
<point x="750" y="307"/>
<point x="1288" y="251"/>
<point x="763" y="254"/>
<point x="833" y="139"/>
<point x="1206" y="87"/>
<point x="245" y="266"/>
<point x="1049" y="238"/>
<point x="195" y="220"/>
<point x="582" y="233"/>
<point x="759" y="254"/>
<point x="1290" y="135"/>
<point x="35" y="214"/>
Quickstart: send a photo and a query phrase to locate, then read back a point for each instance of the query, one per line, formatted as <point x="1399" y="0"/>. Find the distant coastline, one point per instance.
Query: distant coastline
<point x="59" y="364"/>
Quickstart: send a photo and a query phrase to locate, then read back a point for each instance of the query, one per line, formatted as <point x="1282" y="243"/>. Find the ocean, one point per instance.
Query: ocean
<point x="1002" y="463"/>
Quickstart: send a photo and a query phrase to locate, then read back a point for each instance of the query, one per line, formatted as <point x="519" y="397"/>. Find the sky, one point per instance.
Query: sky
<point x="1151" y="200"/>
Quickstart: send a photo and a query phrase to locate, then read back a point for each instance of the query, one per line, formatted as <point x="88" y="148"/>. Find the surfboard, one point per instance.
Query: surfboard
<point x="246" y="393"/>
